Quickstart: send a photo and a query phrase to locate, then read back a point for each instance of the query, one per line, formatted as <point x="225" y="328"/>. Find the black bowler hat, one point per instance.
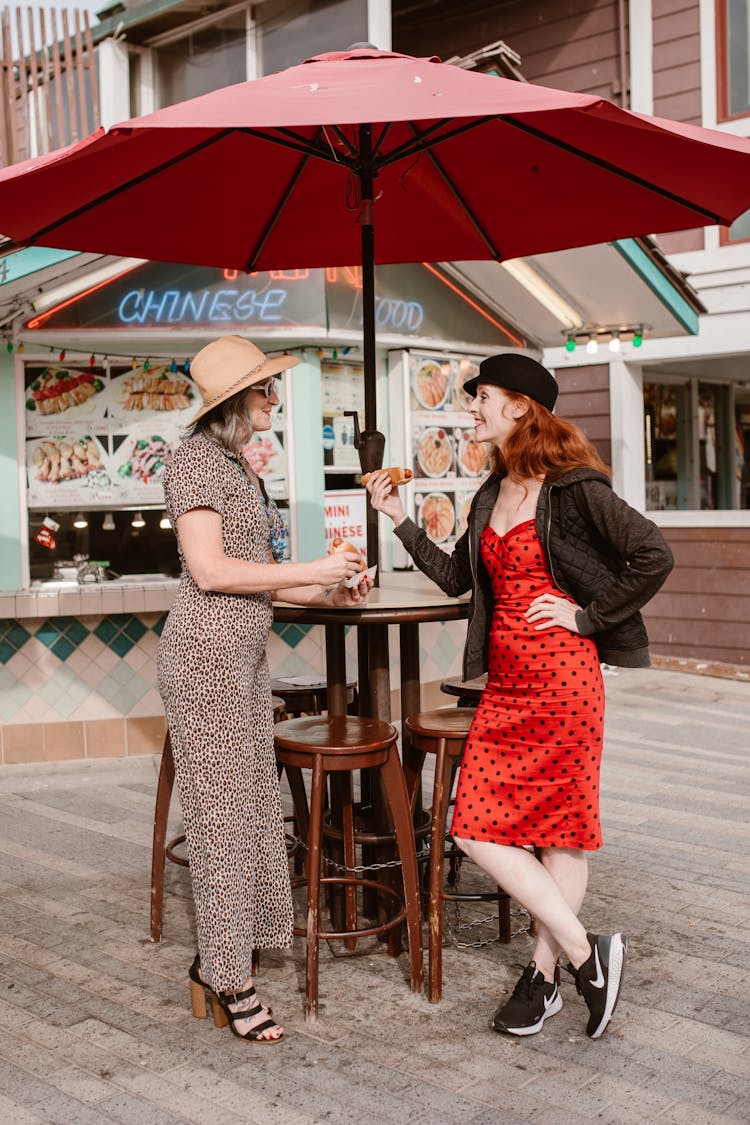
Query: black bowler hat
<point x="518" y="373"/>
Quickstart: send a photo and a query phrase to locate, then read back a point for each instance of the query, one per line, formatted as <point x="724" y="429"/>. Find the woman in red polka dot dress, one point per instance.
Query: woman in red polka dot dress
<point x="559" y="567"/>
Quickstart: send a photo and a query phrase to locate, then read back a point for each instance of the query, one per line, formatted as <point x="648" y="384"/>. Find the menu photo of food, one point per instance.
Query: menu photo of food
<point x="266" y="455"/>
<point x="158" y="391"/>
<point x="467" y="369"/>
<point x="431" y="382"/>
<point x="138" y="462"/>
<point x="54" y="393"/>
<point x="435" y="512"/>
<point x="434" y="452"/>
<point x="67" y="469"/>
<point x="471" y="456"/>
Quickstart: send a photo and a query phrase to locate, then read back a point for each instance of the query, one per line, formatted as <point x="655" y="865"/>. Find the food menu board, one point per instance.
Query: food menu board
<point x="102" y="435"/>
<point x="447" y="462"/>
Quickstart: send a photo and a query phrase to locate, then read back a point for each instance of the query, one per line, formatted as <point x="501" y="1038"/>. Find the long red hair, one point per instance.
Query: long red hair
<point x="543" y="445"/>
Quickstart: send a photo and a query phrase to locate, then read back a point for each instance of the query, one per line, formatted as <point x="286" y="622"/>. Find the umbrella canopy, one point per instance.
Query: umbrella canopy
<point x="298" y="168"/>
<point x="266" y="174"/>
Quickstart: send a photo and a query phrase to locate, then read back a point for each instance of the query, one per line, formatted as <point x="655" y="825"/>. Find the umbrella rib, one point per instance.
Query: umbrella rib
<point x="345" y="141"/>
<point x="409" y="148"/>
<point x="609" y="167"/>
<point x="125" y="187"/>
<point x="379" y="143"/>
<point x="278" y="208"/>
<point x="466" y="208"/>
<point x="296" y="143"/>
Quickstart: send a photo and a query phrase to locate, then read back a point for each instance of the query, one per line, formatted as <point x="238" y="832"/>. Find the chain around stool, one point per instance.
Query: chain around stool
<point x="338" y="745"/>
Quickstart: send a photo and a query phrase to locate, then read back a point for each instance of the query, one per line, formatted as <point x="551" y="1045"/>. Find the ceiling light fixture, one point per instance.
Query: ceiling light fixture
<point x="80" y="521"/>
<point x="138" y="520"/>
<point x="543" y="292"/>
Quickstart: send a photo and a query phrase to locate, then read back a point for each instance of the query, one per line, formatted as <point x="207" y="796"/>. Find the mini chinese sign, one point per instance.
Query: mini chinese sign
<point x="346" y="517"/>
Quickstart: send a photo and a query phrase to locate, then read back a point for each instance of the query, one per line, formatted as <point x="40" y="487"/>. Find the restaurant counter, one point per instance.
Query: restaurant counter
<point x="78" y="671"/>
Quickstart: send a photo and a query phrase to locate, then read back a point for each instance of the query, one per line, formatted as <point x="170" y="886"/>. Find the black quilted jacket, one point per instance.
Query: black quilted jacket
<point x="602" y="552"/>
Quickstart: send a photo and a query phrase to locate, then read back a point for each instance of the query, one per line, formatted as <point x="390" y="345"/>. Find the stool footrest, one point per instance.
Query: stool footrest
<point x="366" y="931"/>
<point x="169" y="852"/>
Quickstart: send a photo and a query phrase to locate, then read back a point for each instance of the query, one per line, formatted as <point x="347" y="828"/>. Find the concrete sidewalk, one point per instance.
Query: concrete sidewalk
<point x="96" y="1025"/>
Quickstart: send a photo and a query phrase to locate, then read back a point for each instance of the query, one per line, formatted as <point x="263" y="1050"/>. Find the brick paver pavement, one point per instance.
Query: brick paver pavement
<point x="95" y="1022"/>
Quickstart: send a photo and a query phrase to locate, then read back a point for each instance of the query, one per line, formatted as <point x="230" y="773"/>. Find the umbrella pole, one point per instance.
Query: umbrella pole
<point x="367" y="227"/>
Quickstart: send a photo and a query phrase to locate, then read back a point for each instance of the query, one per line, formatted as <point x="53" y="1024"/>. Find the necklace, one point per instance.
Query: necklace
<point x="277" y="532"/>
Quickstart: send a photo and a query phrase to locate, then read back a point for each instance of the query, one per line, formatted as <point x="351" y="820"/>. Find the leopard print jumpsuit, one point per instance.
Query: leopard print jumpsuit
<point x="215" y="684"/>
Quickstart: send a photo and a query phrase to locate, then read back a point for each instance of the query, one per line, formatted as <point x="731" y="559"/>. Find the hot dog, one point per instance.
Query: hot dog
<point x="343" y="545"/>
<point x="398" y="476"/>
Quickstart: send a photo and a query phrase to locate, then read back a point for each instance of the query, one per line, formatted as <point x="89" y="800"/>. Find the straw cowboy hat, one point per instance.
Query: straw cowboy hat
<point x="229" y="365"/>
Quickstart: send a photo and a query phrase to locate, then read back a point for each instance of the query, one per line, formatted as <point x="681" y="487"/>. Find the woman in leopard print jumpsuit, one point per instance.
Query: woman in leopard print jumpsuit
<point x="214" y="677"/>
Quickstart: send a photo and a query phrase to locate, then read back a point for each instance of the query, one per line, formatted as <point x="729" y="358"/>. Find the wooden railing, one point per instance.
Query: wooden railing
<point x="49" y="87"/>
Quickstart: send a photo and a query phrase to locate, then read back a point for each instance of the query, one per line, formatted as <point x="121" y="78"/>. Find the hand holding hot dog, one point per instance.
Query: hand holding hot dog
<point x="384" y="495"/>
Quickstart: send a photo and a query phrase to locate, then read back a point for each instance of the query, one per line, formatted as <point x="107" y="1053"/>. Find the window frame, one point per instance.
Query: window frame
<point x="691" y="385"/>
<point x="722" y="69"/>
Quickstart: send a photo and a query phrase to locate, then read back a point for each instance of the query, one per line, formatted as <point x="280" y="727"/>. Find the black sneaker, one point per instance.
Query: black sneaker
<point x="599" y="979"/>
<point x="533" y="1000"/>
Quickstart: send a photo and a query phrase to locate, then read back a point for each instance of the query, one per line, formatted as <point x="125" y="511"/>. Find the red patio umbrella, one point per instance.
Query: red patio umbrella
<point x="300" y="167"/>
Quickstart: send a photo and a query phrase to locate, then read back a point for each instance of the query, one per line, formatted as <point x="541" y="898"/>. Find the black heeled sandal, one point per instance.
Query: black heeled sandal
<point x="199" y="990"/>
<point x="233" y="1017"/>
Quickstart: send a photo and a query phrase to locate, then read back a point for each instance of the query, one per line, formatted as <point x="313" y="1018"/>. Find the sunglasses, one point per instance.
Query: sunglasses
<point x="268" y="388"/>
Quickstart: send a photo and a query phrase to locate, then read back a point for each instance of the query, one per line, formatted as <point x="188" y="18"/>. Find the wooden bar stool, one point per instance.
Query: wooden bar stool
<point x="469" y="692"/>
<point x="442" y="733"/>
<point x="160" y="849"/>
<point x="308" y="699"/>
<point x="337" y="745"/>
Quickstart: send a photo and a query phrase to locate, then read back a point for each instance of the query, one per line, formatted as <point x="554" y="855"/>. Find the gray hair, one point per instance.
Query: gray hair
<point x="228" y="424"/>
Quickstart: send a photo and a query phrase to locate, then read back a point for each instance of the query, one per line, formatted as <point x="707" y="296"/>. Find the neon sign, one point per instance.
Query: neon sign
<point x="410" y="301"/>
<point x="401" y="316"/>
<point x="211" y="306"/>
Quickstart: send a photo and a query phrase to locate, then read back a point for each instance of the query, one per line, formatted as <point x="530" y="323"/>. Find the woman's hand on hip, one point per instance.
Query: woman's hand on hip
<point x="385" y="497"/>
<point x="548" y="610"/>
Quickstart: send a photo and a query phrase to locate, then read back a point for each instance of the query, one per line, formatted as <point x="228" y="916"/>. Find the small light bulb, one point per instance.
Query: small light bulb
<point x="570" y="344"/>
<point x="80" y="521"/>
<point x="138" y="520"/>
<point x="592" y="346"/>
<point x="108" y="523"/>
<point x="164" y="523"/>
<point x="637" y="340"/>
<point x="614" y="344"/>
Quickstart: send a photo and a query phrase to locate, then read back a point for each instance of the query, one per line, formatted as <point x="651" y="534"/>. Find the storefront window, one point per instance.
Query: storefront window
<point x="342" y="389"/>
<point x="695" y="449"/>
<point x="98" y="439"/>
<point x="741" y="450"/>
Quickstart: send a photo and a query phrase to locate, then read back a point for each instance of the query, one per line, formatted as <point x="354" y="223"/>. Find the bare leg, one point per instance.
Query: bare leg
<point x="243" y="1026"/>
<point x="570" y="870"/>
<point x="529" y="882"/>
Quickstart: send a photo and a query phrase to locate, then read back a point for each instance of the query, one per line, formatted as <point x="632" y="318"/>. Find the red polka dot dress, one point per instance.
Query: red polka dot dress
<point x="530" y="770"/>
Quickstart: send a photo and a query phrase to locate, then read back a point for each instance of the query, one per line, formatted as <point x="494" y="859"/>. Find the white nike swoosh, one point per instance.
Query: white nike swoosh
<point x="551" y="1000"/>
<point x="598" y="981"/>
